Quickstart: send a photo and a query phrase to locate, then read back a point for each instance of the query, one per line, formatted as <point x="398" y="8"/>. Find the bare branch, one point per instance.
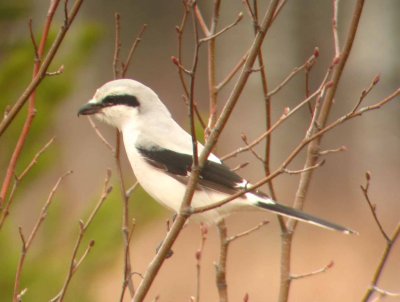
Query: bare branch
<point x="240" y="166"/>
<point x="313" y="273"/>
<point x="220" y="267"/>
<point x="365" y="92"/>
<point x="117" y="46"/>
<point x="317" y="165"/>
<point x="39" y="74"/>
<point x="5" y="123"/>
<point x="83" y="226"/>
<point x="248" y="232"/>
<point x="5" y="212"/>
<point x="26" y="243"/>
<point x="372" y="207"/>
<point x="184" y="212"/>
<point x="199" y="256"/>
<point x="59" y="71"/>
<point x="217" y="34"/>
<point x="334" y="28"/>
<point x="232" y="73"/>
<point x="384" y="259"/>
<point x="325" y="152"/>
<point x="35" y="159"/>
<point x="100" y="135"/>
<point x="135" y="44"/>
<point x="310" y="62"/>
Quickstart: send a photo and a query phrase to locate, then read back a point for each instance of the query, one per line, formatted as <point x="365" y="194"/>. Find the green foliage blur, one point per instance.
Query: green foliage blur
<point x="49" y="258"/>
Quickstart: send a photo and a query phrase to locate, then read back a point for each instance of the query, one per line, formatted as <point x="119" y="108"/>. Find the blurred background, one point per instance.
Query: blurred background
<point x="373" y="143"/>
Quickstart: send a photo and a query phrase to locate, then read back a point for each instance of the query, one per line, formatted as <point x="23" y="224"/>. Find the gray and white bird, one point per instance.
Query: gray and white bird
<point x="160" y="153"/>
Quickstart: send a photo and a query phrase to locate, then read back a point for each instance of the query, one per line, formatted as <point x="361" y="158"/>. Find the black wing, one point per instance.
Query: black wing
<point x="213" y="175"/>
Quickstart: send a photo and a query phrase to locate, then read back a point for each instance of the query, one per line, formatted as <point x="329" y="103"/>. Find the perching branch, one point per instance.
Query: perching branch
<point x="214" y="135"/>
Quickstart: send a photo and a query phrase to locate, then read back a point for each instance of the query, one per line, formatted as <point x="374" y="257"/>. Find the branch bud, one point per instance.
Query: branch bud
<point x="175" y="60"/>
<point x="316" y="52"/>
<point x="376" y="79"/>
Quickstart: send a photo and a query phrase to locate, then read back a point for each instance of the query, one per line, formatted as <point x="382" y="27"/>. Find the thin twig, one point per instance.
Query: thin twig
<point x="365" y="92"/>
<point x="100" y="135"/>
<point x="125" y="220"/>
<point x="5" y="123"/>
<point x="232" y="73"/>
<point x="220" y="266"/>
<point x="126" y="229"/>
<point x="6" y="211"/>
<point x="183" y="214"/>
<point x="26" y="243"/>
<point x="29" y="93"/>
<point x="313" y="273"/>
<point x="310" y="62"/>
<point x="247" y="232"/>
<point x="178" y="61"/>
<point x="325" y="152"/>
<point x="286" y="114"/>
<point x="338" y="65"/>
<point x="334" y="28"/>
<point x="256" y="155"/>
<point x="372" y="207"/>
<point x="83" y="226"/>
<point x="305" y="142"/>
<point x="135" y="44"/>
<point x="117" y="46"/>
<point x="217" y="34"/>
<point x="291" y="172"/>
<point x="35" y="159"/>
<point x="384" y="259"/>
<point x="199" y="256"/>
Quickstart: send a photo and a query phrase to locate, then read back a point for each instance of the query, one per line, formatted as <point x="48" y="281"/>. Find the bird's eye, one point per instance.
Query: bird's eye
<point x="124" y="99"/>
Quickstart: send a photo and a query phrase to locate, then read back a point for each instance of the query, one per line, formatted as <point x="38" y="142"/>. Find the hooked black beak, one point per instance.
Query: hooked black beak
<point x="90" y="108"/>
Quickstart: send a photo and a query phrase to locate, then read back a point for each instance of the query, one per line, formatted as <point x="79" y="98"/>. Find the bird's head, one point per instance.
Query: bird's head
<point x="124" y="101"/>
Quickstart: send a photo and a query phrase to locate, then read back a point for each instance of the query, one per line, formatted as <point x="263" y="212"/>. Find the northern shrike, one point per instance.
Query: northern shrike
<point x="160" y="153"/>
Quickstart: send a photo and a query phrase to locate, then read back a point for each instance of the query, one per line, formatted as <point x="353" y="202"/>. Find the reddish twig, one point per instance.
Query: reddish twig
<point x="40" y="70"/>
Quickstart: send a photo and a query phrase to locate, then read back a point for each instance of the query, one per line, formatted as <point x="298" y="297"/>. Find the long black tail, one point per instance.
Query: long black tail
<point x="299" y="215"/>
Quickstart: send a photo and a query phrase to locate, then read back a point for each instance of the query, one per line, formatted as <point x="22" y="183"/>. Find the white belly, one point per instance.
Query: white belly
<point x="170" y="192"/>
